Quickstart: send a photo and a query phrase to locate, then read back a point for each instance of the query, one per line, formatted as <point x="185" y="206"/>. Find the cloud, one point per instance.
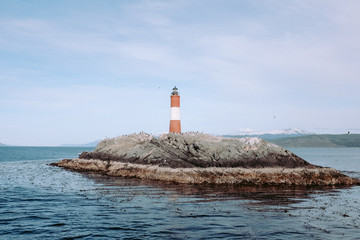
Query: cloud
<point x="237" y="63"/>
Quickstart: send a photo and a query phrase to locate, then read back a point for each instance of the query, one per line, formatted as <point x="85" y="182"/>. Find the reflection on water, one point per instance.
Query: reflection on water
<point x="257" y="195"/>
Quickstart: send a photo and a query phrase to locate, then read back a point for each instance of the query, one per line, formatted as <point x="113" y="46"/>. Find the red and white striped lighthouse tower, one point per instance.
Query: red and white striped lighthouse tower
<point x="175" y="126"/>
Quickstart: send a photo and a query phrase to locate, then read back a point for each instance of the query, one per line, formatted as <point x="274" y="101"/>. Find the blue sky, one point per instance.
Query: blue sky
<point x="77" y="71"/>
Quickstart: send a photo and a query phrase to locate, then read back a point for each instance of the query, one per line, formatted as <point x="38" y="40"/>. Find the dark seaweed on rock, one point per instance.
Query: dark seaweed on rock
<point x="189" y="150"/>
<point x="304" y="176"/>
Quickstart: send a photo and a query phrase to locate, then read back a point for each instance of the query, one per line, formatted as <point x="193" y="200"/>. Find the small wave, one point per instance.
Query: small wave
<point x="56" y="225"/>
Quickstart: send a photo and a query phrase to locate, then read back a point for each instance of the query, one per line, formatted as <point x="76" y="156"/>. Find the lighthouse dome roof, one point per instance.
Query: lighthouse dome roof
<point x="175" y="92"/>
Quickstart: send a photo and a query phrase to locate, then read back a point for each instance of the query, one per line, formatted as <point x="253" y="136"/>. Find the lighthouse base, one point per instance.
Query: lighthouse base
<point x="175" y="126"/>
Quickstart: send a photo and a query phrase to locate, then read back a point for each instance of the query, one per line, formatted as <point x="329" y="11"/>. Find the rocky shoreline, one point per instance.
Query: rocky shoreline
<point x="196" y="158"/>
<point x="213" y="175"/>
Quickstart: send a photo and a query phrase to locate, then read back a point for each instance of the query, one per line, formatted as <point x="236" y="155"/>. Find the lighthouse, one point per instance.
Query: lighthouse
<point x="175" y="126"/>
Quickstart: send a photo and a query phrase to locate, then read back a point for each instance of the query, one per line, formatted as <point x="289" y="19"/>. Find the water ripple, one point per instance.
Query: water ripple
<point x="39" y="201"/>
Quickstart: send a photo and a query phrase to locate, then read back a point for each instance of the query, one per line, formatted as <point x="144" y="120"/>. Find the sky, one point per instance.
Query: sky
<point x="79" y="71"/>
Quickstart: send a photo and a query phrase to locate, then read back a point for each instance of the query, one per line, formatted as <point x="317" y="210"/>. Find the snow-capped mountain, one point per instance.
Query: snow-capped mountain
<point x="287" y="131"/>
<point x="269" y="135"/>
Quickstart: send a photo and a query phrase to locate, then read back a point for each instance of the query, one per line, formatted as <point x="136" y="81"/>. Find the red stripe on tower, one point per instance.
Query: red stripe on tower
<point x="175" y="125"/>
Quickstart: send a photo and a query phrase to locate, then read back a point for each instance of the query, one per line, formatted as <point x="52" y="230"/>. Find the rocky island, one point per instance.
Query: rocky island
<point x="198" y="158"/>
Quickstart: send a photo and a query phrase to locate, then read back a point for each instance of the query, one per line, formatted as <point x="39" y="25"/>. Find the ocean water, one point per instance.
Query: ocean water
<point x="39" y="201"/>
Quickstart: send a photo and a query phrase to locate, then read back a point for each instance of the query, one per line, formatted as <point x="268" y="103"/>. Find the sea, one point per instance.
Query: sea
<point x="39" y="201"/>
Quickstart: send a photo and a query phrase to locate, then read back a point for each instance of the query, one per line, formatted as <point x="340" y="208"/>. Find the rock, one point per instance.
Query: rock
<point x="194" y="150"/>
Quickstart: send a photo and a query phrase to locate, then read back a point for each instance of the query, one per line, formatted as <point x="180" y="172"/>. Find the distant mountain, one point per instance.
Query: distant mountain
<point x="320" y="140"/>
<point x="275" y="134"/>
<point x="1" y="144"/>
<point x="287" y="131"/>
<point x="90" y="144"/>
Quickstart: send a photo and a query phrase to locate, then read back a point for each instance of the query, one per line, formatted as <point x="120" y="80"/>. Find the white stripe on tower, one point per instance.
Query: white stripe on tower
<point x="175" y="125"/>
<point x="175" y="113"/>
